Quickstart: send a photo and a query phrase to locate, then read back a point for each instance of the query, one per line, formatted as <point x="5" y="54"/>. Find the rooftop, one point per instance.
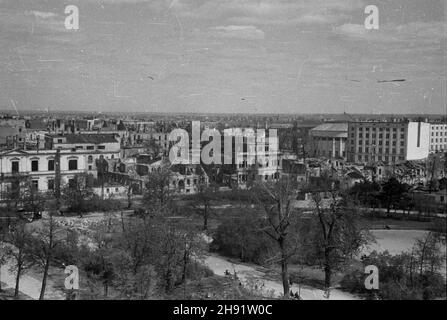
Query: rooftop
<point x="88" y="138"/>
<point x="342" y="127"/>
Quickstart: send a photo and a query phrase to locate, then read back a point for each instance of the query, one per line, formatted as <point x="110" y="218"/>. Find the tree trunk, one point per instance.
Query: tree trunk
<point x="185" y="263"/>
<point x="106" y="288"/>
<point x="284" y="269"/>
<point x="205" y="220"/>
<point x="122" y="222"/>
<point x="44" y="279"/>
<point x="0" y="278"/>
<point x="327" y="270"/>
<point x="16" y="290"/>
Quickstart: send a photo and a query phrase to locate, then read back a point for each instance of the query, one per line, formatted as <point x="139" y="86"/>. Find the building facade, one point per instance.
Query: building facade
<point x="39" y="166"/>
<point x="438" y="137"/>
<point x="329" y="140"/>
<point x="388" y="142"/>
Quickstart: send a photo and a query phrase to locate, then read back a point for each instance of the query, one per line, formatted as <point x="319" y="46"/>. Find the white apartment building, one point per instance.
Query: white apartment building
<point x="438" y="137"/>
<point x="329" y="140"/>
<point x="40" y="166"/>
<point x="388" y="142"/>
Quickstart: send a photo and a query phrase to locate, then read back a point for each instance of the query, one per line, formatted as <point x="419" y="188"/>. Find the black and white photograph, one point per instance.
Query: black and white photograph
<point x="223" y="158"/>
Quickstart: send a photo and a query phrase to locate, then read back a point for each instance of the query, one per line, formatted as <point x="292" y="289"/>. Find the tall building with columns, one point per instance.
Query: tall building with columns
<point x="329" y="140"/>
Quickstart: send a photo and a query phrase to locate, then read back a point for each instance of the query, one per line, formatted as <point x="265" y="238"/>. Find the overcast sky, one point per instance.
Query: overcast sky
<point x="283" y="56"/>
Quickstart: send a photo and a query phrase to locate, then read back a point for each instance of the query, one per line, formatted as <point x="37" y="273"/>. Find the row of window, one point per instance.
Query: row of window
<point x="438" y="127"/>
<point x="387" y="143"/>
<point x="50" y="184"/>
<point x="441" y="133"/>
<point x="15" y="166"/>
<point x="328" y="139"/>
<point x="378" y="129"/>
<point x="380" y="135"/>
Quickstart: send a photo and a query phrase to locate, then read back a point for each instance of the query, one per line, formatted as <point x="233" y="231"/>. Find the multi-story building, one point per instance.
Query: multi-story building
<point x="251" y="156"/>
<point x="388" y="142"/>
<point x="39" y="166"/>
<point x="329" y="140"/>
<point x="438" y="137"/>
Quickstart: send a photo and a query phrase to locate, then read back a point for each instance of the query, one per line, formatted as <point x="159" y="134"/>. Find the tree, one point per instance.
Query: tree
<point x="100" y="263"/>
<point x="158" y="190"/>
<point x="275" y="198"/>
<point x="129" y="194"/>
<point x="338" y="233"/>
<point x="428" y="252"/>
<point x="401" y="277"/>
<point x="3" y="254"/>
<point x="33" y="200"/>
<point x="392" y="192"/>
<point x="366" y="193"/>
<point x="102" y="167"/>
<point x="177" y="245"/>
<point x="241" y="237"/>
<point x="434" y="166"/>
<point x="20" y="240"/>
<point x="45" y="239"/>
<point x="202" y="200"/>
<point x="14" y="193"/>
<point x="78" y="194"/>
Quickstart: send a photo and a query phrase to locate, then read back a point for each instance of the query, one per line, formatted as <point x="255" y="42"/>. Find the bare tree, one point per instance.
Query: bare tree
<point x="338" y="234"/>
<point x="77" y="194"/>
<point x="18" y="251"/>
<point x="45" y="239"/>
<point x="158" y="190"/>
<point x="276" y="200"/>
<point x="202" y="200"/>
<point x="33" y="200"/>
<point x="3" y="254"/>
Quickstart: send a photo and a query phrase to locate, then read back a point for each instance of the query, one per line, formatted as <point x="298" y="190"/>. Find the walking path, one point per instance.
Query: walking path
<point x="28" y="285"/>
<point x="246" y="273"/>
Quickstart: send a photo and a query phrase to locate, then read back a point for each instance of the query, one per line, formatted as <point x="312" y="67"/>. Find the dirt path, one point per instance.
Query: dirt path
<point x="246" y="273"/>
<point x="28" y="285"/>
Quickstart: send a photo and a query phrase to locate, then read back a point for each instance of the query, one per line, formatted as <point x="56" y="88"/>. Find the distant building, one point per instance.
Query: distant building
<point x="388" y="142"/>
<point x="250" y="157"/>
<point x="107" y="144"/>
<point x="438" y="137"/>
<point x="12" y="132"/>
<point x="329" y="140"/>
<point x="185" y="179"/>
